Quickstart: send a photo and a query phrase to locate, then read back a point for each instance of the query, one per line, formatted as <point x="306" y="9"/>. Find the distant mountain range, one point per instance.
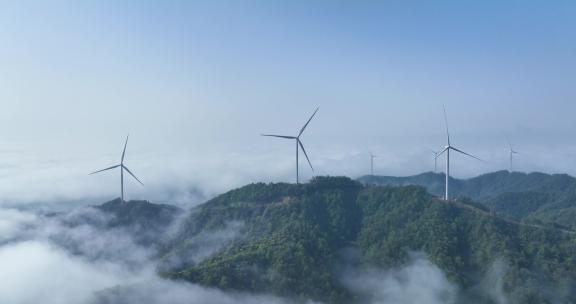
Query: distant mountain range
<point x="536" y="197"/>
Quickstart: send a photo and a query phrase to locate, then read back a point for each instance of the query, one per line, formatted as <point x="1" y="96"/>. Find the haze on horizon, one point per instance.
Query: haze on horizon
<point x="196" y="83"/>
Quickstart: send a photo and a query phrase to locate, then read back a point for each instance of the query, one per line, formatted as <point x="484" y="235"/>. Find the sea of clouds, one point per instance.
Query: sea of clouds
<point x="72" y="257"/>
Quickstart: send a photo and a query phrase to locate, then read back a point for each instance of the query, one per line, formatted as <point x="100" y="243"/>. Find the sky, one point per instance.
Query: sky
<point x="195" y="83"/>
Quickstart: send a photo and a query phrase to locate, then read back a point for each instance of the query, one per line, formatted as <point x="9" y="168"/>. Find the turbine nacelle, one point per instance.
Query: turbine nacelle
<point x="372" y="156"/>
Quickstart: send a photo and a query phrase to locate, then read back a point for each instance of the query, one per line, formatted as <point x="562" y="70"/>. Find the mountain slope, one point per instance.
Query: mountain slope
<point x="533" y="196"/>
<point x="146" y="222"/>
<point x="141" y="213"/>
<point x="293" y="238"/>
<point x="289" y="230"/>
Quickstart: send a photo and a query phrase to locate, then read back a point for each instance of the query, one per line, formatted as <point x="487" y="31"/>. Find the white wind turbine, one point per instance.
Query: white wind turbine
<point x="436" y="154"/>
<point x="512" y="152"/>
<point x="299" y="144"/>
<point x="372" y="157"/>
<point x="122" y="168"/>
<point x="447" y="149"/>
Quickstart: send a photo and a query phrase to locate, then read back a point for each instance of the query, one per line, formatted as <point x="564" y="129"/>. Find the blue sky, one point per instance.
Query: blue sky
<point x="195" y="83"/>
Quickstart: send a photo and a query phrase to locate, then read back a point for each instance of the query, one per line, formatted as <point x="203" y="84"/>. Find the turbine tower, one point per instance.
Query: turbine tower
<point x="372" y="157"/>
<point x="447" y="149"/>
<point x="512" y="152"/>
<point x="122" y="168"/>
<point x="299" y="144"/>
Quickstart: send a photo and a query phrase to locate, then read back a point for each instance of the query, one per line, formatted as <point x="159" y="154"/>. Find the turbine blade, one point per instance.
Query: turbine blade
<point x="466" y="153"/>
<point x="134" y="176"/>
<point x="304" y="150"/>
<point x="304" y="127"/>
<point x="104" y="169"/>
<point x="441" y="152"/>
<point x="446" y="121"/>
<point x="124" y="151"/>
<point x="280" y="136"/>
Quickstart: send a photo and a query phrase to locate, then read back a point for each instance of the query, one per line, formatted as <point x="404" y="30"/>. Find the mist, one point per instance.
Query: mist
<point x="419" y="281"/>
<point x="71" y="258"/>
<point x="74" y="257"/>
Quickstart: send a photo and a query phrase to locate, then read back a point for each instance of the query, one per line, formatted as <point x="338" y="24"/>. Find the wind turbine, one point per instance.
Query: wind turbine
<point x="122" y="168"/>
<point x="298" y="144"/>
<point x="436" y="154"/>
<point x="372" y="157"/>
<point x="447" y="149"/>
<point x="512" y="152"/>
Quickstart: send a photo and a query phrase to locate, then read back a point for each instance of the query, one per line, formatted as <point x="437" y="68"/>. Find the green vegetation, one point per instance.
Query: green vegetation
<point x="293" y="236"/>
<point x="146" y="222"/>
<point x="535" y="196"/>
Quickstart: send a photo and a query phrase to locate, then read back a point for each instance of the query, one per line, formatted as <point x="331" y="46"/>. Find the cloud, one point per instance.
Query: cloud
<point x="74" y="258"/>
<point x="159" y="291"/>
<point x="12" y="222"/>
<point x="493" y="283"/>
<point x="37" y="272"/>
<point x="202" y="246"/>
<point x="417" y="282"/>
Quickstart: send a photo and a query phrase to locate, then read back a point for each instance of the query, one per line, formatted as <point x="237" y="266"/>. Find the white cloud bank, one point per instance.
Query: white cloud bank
<point x="36" y="272"/>
<point x="418" y="282"/>
<point x="43" y="260"/>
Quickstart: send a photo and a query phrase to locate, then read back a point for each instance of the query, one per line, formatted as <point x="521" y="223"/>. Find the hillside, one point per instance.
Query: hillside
<point x="146" y="223"/>
<point x="295" y="240"/>
<point x="536" y="197"/>
<point x="141" y="213"/>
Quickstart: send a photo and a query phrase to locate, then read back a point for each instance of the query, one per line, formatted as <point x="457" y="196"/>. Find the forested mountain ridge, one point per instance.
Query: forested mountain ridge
<point x="147" y="223"/>
<point x="291" y="240"/>
<point x="139" y="212"/>
<point x="536" y="197"/>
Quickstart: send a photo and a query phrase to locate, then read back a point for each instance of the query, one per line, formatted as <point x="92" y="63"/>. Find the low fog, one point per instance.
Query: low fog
<point x="61" y="259"/>
<point x="71" y="257"/>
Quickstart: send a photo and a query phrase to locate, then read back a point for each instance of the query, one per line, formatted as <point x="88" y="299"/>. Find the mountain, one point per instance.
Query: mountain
<point x="295" y="241"/>
<point x="146" y="223"/>
<point x="138" y="212"/>
<point x="536" y="197"/>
